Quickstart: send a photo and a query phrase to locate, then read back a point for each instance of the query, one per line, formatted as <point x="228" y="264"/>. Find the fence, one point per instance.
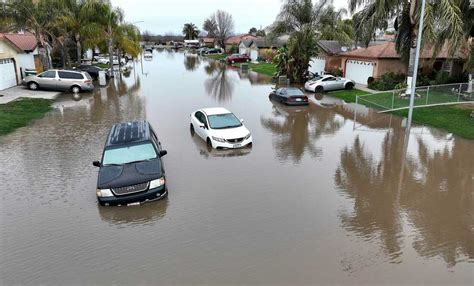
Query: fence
<point x="425" y="96"/>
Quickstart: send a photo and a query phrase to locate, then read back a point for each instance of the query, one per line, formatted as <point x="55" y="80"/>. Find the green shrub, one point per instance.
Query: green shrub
<point x="337" y="72"/>
<point x="388" y="81"/>
<point x="234" y="49"/>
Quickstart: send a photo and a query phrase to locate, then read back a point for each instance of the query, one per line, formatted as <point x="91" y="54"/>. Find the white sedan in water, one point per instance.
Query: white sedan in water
<point x="220" y="128"/>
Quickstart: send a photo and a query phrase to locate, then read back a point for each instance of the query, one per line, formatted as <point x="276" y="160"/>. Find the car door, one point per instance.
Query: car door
<point x="200" y="119"/>
<point x="67" y="79"/>
<point x="47" y="79"/>
<point x="329" y="83"/>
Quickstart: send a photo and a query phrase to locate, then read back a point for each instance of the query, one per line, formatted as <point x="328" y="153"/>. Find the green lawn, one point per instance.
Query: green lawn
<point x="217" y="56"/>
<point x="454" y="119"/>
<point x="263" y="68"/>
<point x="104" y="66"/>
<point x="20" y="112"/>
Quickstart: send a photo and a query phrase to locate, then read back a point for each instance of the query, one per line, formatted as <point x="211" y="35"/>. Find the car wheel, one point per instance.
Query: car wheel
<point x="75" y="89"/>
<point x="319" y="89"/>
<point x="233" y="62"/>
<point x="33" y="86"/>
<point x="349" y="85"/>
<point x="191" y="129"/>
<point x="248" y="60"/>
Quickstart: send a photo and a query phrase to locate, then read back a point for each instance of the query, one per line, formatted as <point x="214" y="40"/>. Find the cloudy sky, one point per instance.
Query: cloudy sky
<point x="169" y="16"/>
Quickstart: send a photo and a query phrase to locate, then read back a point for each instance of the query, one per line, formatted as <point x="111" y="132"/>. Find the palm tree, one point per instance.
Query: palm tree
<point x="334" y="27"/>
<point x="444" y="21"/>
<point x="190" y="31"/>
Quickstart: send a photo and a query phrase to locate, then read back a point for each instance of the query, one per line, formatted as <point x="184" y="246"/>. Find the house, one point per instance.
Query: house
<point x="376" y="60"/>
<point x="258" y="46"/>
<point x="17" y="53"/>
<point x="328" y="58"/>
<point x="208" y="42"/>
<point x="244" y="47"/>
<point x="235" y="40"/>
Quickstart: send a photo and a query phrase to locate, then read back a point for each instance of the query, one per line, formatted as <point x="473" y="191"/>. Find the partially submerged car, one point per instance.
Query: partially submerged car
<point x="289" y="96"/>
<point x="131" y="170"/>
<point x="75" y="81"/>
<point x="237" y="58"/>
<point x="220" y="128"/>
<point x="327" y="83"/>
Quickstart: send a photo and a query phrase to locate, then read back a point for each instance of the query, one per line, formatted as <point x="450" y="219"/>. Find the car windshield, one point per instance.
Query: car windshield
<point x="294" y="92"/>
<point x="128" y="154"/>
<point x="222" y="121"/>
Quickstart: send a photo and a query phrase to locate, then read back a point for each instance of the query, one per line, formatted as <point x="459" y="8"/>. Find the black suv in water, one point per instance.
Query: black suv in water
<point x="131" y="170"/>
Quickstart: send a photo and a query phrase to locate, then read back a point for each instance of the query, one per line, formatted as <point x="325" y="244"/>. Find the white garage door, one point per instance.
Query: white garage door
<point x="317" y="64"/>
<point x="242" y="50"/>
<point x="253" y="55"/>
<point x="359" y="71"/>
<point x="7" y="74"/>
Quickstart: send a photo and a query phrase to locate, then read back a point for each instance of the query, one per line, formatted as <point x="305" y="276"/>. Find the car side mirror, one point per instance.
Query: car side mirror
<point x="163" y="153"/>
<point x="241" y="121"/>
<point x="96" y="163"/>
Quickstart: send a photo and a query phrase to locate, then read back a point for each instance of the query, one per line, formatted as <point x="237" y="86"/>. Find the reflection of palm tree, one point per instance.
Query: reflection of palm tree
<point x="212" y="66"/>
<point x="219" y="85"/>
<point x="191" y="63"/>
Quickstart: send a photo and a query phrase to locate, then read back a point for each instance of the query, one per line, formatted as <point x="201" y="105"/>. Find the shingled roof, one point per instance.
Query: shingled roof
<point x="25" y="42"/>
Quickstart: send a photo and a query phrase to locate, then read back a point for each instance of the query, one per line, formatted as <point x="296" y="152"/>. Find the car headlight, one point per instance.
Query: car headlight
<point x="248" y="136"/>
<point x="157" y="183"/>
<point x="103" y="193"/>
<point x="218" y="139"/>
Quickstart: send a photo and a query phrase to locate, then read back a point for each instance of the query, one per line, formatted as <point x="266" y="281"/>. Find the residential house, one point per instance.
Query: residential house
<point x="258" y="46"/>
<point x="235" y="40"/>
<point x="377" y="60"/>
<point x="328" y="58"/>
<point x="17" y="53"/>
<point x="208" y="42"/>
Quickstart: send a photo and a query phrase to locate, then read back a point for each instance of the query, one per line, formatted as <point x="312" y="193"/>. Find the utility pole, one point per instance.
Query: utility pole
<point x="415" y="68"/>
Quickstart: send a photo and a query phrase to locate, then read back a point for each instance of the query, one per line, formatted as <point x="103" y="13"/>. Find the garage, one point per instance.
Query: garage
<point x="253" y="55"/>
<point x="359" y="71"/>
<point x="242" y="50"/>
<point x="7" y="73"/>
<point x="317" y="64"/>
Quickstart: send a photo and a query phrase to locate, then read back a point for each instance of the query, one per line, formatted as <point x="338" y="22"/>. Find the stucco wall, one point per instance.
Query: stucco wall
<point x="332" y="63"/>
<point x="389" y="65"/>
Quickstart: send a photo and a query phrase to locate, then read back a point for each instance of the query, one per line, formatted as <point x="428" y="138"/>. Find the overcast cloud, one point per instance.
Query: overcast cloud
<point x="169" y="16"/>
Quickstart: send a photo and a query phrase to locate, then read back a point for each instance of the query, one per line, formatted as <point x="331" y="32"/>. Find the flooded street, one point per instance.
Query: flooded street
<point x="318" y="199"/>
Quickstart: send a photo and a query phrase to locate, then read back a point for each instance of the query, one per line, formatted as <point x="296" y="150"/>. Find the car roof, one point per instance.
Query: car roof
<point x="128" y="132"/>
<point x="215" y="110"/>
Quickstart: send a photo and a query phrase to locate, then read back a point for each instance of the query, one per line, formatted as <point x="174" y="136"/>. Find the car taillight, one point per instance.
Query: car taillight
<point x="311" y="83"/>
<point x="88" y="81"/>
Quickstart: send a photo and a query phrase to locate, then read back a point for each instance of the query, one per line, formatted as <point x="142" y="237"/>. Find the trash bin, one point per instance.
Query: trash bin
<point x="102" y="79"/>
<point x="30" y="72"/>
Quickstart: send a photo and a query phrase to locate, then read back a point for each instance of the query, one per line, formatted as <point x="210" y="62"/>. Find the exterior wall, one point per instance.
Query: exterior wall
<point x="7" y="52"/>
<point x="332" y="63"/>
<point x="389" y="65"/>
<point x="26" y="61"/>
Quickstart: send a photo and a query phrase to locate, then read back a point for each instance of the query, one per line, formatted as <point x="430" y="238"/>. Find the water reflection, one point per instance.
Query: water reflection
<point x="191" y="62"/>
<point x="147" y="214"/>
<point x="220" y="85"/>
<point x="297" y="129"/>
<point x="423" y="187"/>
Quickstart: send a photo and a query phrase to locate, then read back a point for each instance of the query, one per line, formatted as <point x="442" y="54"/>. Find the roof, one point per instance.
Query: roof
<point x="215" y="110"/>
<point x="208" y="40"/>
<point x="247" y="43"/>
<point x="267" y="43"/>
<point x="333" y="47"/>
<point x="387" y="51"/>
<point x="128" y="132"/>
<point x="25" y="42"/>
<point x="236" y="39"/>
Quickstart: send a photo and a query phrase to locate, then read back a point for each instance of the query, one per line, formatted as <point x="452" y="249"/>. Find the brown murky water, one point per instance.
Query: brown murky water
<point x="320" y="198"/>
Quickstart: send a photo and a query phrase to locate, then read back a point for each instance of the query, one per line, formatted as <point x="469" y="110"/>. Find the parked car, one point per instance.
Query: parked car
<point x="131" y="170"/>
<point x="328" y="82"/>
<point x="289" y="96"/>
<point x="93" y="71"/>
<point x="106" y="60"/>
<point x="202" y="50"/>
<point x="237" y="58"/>
<point x="213" y="51"/>
<point x="75" y="81"/>
<point x="220" y="128"/>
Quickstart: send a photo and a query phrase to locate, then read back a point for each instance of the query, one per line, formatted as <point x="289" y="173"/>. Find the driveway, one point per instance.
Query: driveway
<point x="18" y="91"/>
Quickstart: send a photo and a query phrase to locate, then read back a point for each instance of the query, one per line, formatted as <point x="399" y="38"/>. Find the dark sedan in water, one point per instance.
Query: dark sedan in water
<point x="289" y="96"/>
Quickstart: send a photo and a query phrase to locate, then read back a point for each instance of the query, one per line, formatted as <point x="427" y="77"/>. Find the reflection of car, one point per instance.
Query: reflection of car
<point x="147" y="213"/>
<point x="131" y="170"/>
<point x="237" y="58"/>
<point x="220" y="128"/>
<point x="93" y="71"/>
<point x="289" y="96"/>
<point x="75" y="81"/>
<point x="328" y="82"/>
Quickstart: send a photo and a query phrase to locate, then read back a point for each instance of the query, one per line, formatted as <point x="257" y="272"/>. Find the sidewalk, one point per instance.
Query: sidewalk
<point x="364" y="88"/>
<point x="18" y="91"/>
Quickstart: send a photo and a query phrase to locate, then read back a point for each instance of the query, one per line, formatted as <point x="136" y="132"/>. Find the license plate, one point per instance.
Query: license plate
<point x="237" y="145"/>
<point x="299" y="99"/>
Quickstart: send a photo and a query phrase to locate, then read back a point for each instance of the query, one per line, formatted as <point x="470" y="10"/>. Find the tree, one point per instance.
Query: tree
<point x="224" y="26"/>
<point x="190" y="31"/>
<point x="334" y="28"/>
<point x="253" y="31"/>
<point x="445" y="21"/>
<point x="210" y="26"/>
<point x="301" y="20"/>
<point x="261" y="33"/>
<point x="146" y="36"/>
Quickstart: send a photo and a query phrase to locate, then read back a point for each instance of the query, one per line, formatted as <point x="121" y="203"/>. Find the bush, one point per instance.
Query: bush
<point x="267" y="54"/>
<point x="337" y="72"/>
<point x="234" y="49"/>
<point x="388" y="81"/>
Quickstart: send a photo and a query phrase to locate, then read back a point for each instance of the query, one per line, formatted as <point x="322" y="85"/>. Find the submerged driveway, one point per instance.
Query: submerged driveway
<point x="318" y="199"/>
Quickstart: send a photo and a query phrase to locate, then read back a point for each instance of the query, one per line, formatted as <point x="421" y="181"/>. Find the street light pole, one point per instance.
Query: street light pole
<point x="415" y="68"/>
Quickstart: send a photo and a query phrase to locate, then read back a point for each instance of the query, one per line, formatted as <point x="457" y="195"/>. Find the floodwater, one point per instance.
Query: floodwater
<point x="324" y="196"/>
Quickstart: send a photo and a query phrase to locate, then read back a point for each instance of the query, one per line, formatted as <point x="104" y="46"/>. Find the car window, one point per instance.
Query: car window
<point x="329" y="79"/>
<point x="48" y="74"/>
<point x="70" y="75"/>
<point x="128" y="154"/>
<point x="222" y="121"/>
<point x="294" y="91"/>
<point x="200" y="117"/>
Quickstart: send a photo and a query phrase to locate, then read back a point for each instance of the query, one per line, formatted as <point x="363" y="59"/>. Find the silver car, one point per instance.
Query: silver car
<point x="75" y="81"/>
<point x="327" y="83"/>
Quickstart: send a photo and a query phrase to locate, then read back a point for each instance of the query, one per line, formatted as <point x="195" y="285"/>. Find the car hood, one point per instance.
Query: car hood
<point x="230" y="133"/>
<point x="129" y="174"/>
